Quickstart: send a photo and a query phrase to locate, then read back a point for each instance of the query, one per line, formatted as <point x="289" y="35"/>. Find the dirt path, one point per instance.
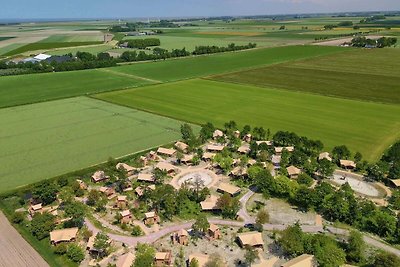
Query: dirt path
<point x="243" y="210"/>
<point x="129" y="75"/>
<point x="14" y="250"/>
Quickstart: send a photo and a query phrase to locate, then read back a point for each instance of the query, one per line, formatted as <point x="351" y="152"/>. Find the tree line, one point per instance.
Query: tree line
<point x="143" y="43"/>
<point x="382" y="42"/>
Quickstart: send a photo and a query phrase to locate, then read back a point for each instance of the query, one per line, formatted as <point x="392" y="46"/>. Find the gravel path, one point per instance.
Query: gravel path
<point x="14" y="250"/>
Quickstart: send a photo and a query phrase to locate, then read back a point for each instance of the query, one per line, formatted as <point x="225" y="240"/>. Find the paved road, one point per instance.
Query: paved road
<point x="243" y="210"/>
<point x="14" y="250"/>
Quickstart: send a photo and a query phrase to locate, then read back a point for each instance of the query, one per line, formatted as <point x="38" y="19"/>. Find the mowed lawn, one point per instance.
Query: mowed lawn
<point x="364" y="126"/>
<point x="178" y="69"/>
<point x="371" y="75"/>
<point x="24" y="89"/>
<point x="44" y="140"/>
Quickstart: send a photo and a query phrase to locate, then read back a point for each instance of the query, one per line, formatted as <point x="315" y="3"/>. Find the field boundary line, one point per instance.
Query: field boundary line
<point x="129" y="75"/>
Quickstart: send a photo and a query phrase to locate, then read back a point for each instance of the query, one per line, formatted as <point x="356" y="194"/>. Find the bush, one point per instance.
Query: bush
<point x="137" y="231"/>
<point x="305" y="179"/>
<point x="75" y="253"/>
<point x="18" y="217"/>
<point x="61" y="249"/>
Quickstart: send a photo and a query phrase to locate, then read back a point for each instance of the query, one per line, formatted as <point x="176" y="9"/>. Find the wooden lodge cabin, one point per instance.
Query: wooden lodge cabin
<point x="214" y="148"/>
<point x="82" y="184"/>
<point x="293" y="172"/>
<point x="108" y="191"/>
<point x="210" y="204"/>
<point x="163" y="259"/>
<point x="201" y="258"/>
<point x="146" y="177"/>
<point x="33" y="209"/>
<point x="252" y="239"/>
<point x="129" y="169"/>
<point x="181" y="237"/>
<point x="63" y="236"/>
<point x="99" y="176"/>
<point x="214" y="232"/>
<point x="167" y="167"/>
<point x="151" y="218"/>
<point x="122" y="202"/>
<point x="126" y="217"/>
<point x="244" y="149"/>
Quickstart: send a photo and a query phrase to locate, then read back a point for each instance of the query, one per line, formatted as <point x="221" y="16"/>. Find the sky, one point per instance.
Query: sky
<point x="27" y="9"/>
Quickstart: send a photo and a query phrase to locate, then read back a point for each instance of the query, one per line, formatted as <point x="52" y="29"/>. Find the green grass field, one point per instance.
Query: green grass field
<point x="46" y="46"/>
<point x="49" y="139"/>
<point x="73" y="38"/>
<point x="371" y="75"/>
<point x="365" y="127"/>
<point x="24" y="89"/>
<point x="172" y="70"/>
<point x="95" y="49"/>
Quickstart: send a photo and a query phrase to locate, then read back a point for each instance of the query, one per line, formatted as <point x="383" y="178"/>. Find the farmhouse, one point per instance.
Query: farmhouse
<point x="304" y="260"/>
<point x="252" y="239"/>
<point x="35" y="209"/>
<point x="151" y="218"/>
<point x="63" y="235"/>
<point x="210" y="204"/>
<point x="163" y="258"/>
<point x="126" y="167"/>
<point x="324" y="155"/>
<point x="181" y="146"/>
<point x="202" y="259"/>
<point x="218" y="133"/>
<point x="228" y="188"/>
<point x="347" y="164"/>
<point x="293" y="171"/>
<point x="125" y="260"/>
<point x="146" y="177"/>
<point x="99" y="176"/>
<point x="166" y="151"/>
<point x="214" y="148"/>
<point x="214" y="232"/>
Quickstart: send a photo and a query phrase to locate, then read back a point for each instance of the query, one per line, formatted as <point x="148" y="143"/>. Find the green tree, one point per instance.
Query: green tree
<point x="18" y="217"/>
<point x="46" y="192"/>
<point x="358" y="157"/>
<point x="327" y="252"/>
<point x="229" y="206"/>
<point x="251" y="255"/>
<point x="187" y="133"/>
<point x="305" y="179"/>
<point x="102" y="244"/>
<point x="76" y="211"/>
<point x="201" y="224"/>
<point x="325" y="168"/>
<point x="206" y="131"/>
<point x="180" y="258"/>
<point x="159" y="175"/>
<point x="144" y="256"/>
<point x="292" y="239"/>
<point x="341" y="152"/>
<point x="355" y="247"/>
<point x="75" y="253"/>
<point x="42" y="225"/>
<point x="136" y="230"/>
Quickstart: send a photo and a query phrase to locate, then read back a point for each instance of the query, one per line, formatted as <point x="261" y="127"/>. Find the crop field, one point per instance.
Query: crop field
<point x="73" y="38"/>
<point x="94" y="49"/>
<point x="25" y="89"/>
<point x="341" y="75"/>
<point x="48" y="139"/>
<point x="172" y="70"/>
<point x="332" y="120"/>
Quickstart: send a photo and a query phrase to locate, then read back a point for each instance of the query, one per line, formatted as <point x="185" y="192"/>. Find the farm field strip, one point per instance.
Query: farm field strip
<point x="178" y="69"/>
<point x="25" y="89"/>
<point x="342" y="75"/>
<point x="332" y="120"/>
<point x="48" y="139"/>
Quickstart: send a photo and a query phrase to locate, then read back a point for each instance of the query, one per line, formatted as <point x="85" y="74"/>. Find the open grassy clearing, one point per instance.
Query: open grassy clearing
<point x="24" y="89"/>
<point x="371" y="75"/>
<point x="172" y="70"/>
<point x="48" y="139"/>
<point x="334" y="121"/>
